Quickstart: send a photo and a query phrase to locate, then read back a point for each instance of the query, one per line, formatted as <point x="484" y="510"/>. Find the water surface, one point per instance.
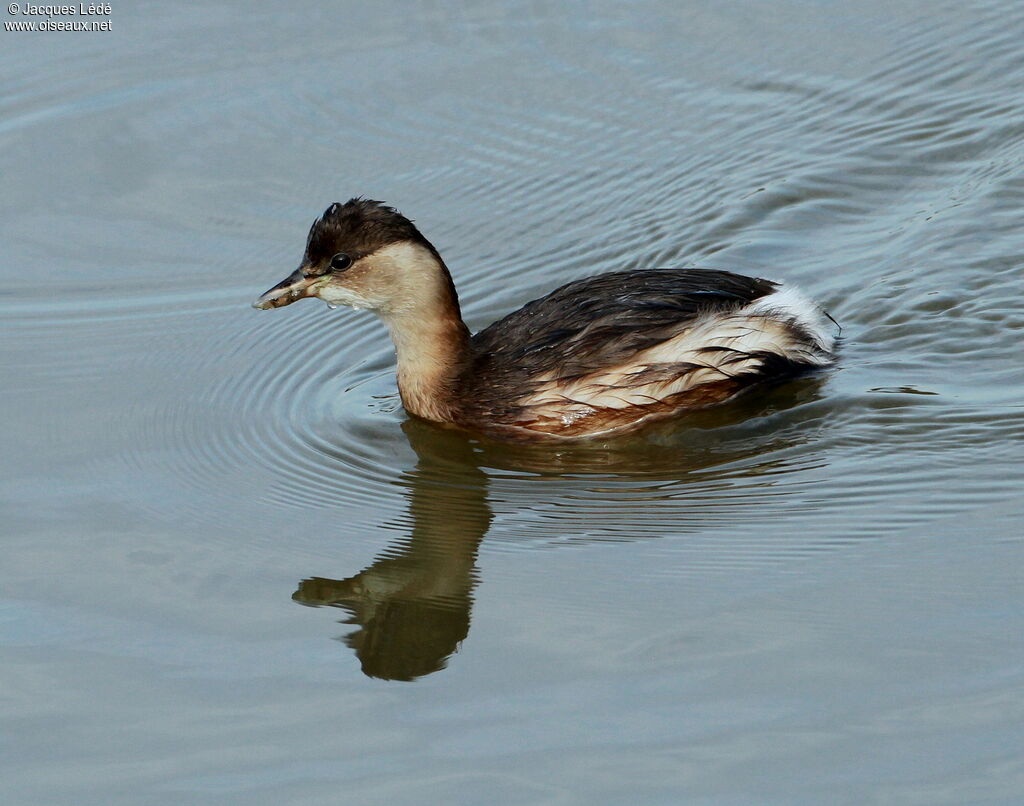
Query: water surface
<point x="236" y="572"/>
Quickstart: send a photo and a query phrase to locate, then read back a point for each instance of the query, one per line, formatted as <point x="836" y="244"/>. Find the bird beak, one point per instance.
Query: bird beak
<point x="295" y="286"/>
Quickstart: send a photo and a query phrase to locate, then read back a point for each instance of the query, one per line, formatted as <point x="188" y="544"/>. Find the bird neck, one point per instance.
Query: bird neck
<point x="432" y="345"/>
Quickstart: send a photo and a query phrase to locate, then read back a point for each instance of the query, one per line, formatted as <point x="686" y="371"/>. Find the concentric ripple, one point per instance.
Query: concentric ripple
<point x="866" y="189"/>
<point x="822" y="576"/>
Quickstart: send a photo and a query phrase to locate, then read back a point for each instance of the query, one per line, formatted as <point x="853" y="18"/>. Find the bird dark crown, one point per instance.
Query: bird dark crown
<point x="358" y="227"/>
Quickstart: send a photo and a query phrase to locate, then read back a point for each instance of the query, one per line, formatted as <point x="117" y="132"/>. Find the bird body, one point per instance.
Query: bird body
<point x="595" y="356"/>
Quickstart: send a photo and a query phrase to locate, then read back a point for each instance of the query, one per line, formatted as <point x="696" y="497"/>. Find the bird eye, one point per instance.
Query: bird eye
<point x="340" y="262"/>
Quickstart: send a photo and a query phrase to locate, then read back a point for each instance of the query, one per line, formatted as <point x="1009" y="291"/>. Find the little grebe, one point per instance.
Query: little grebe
<point x="598" y="355"/>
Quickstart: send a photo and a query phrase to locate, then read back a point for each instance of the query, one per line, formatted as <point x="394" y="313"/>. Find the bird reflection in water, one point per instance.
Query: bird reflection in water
<point x="412" y="605"/>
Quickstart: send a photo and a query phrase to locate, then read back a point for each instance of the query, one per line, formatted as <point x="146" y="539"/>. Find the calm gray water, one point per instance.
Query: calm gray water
<point x="235" y="573"/>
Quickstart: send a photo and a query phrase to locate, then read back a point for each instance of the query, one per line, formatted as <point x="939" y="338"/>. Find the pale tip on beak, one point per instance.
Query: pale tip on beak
<point x="295" y="286"/>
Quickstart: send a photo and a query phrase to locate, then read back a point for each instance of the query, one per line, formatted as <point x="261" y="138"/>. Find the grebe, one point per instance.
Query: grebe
<point x="596" y="356"/>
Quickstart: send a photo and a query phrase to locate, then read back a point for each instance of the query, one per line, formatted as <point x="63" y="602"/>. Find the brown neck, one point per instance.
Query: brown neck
<point x="409" y="286"/>
<point x="433" y="350"/>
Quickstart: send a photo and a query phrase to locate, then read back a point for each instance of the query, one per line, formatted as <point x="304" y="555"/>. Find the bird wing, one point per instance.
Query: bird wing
<point x="611" y="341"/>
